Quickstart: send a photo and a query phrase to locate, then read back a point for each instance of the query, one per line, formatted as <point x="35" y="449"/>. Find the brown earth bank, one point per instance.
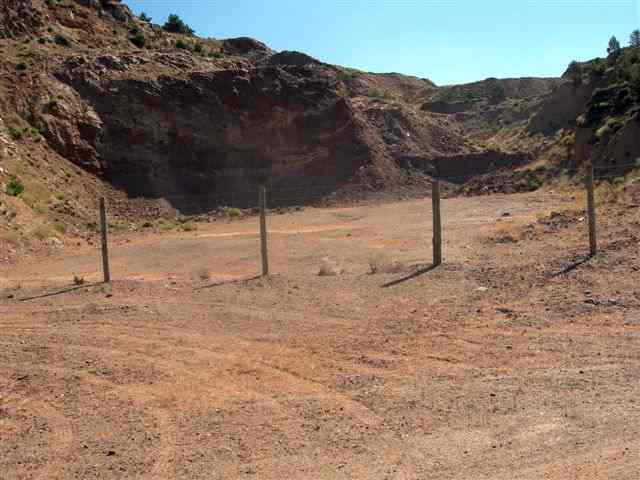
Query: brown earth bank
<point x="517" y="358"/>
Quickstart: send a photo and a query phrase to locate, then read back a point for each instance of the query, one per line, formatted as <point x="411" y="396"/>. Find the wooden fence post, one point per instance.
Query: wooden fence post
<point x="437" y="224"/>
<point x="105" y="248"/>
<point x="591" y="211"/>
<point x="263" y="230"/>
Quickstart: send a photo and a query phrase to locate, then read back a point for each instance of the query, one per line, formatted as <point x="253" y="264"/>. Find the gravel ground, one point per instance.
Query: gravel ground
<point x="517" y="358"/>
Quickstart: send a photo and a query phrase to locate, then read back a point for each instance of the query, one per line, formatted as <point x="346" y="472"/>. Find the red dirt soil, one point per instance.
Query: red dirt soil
<point x="495" y="365"/>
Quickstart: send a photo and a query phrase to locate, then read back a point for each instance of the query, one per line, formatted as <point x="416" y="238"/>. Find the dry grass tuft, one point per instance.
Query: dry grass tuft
<point x="380" y="263"/>
<point x="328" y="268"/>
<point x="510" y="232"/>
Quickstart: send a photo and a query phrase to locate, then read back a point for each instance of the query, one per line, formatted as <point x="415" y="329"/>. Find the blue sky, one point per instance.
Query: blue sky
<point x="448" y="41"/>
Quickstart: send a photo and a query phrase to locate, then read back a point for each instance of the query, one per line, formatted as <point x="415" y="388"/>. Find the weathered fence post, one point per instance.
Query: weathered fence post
<point x="591" y="211"/>
<point x="105" y="248"/>
<point x="263" y="230"/>
<point x="437" y="224"/>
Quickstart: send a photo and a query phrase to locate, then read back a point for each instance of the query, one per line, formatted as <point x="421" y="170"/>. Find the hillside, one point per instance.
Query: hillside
<point x="95" y="101"/>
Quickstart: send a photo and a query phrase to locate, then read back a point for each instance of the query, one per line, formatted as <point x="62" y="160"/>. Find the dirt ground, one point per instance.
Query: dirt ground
<point x="513" y="360"/>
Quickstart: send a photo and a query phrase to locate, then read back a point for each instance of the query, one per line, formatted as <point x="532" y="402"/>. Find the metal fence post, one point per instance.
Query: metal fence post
<point x="105" y="248"/>
<point x="263" y="230"/>
<point x="591" y="211"/>
<point x="437" y="224"/>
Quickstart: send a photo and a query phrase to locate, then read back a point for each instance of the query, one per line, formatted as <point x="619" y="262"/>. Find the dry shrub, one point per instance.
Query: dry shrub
<point x="380" y="263"/>
<point x="328" y="268"/>
<point x="510" y="232"/>
<point x="614" y="192"/>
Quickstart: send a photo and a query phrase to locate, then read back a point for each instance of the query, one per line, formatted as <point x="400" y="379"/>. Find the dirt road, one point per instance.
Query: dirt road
<point x="504" y="363"/>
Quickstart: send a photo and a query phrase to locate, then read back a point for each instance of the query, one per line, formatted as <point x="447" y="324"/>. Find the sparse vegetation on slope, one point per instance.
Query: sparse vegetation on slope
<point x="14" y="187"/>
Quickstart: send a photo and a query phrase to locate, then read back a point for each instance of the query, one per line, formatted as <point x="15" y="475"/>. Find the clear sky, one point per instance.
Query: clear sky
<point x="448" y="41"/>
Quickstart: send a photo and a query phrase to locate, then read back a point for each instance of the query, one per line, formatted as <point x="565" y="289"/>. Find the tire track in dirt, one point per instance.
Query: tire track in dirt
<point x="200" y="390"/>
<point x="246" y="355"/>
<point x="141" y="395"/>
<point x="61" y="436"/>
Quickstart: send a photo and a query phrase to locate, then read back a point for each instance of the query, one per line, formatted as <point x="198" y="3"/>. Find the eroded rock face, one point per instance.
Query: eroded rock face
<point x="292" y="58"/>
<point x="211" y="133"/>
<point x="114" y="8"/>
<point x="172" y="126"/>
<point x="245" y="44"/>
<point x="18" y="17"/>
<point x="560" y="109"/>
<point x="447" y="107"/>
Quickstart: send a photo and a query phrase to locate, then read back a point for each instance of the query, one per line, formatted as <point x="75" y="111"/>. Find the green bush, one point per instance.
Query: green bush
<point x="61" y="40"/>
<point x="139" y="40"/>
<point x="16" y="133"/>
<point x="198" y="48"/>
<point x="14" y="187"/>
<point x="174" y="24"/>
<point x="144" y="17"/>
<point x="21" y="67"/>
<point x="533" y="183"/>
<point x="52" y="104"/>
<point x="613" y="49"/>
<point x="134" y="31"/>
<point x="181" y="45"/>
<point x="234" y="212"/>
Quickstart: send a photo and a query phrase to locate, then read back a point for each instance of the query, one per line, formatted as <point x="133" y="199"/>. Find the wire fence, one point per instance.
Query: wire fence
<point x="590" y="175"/>
<point x="259" y="199"/>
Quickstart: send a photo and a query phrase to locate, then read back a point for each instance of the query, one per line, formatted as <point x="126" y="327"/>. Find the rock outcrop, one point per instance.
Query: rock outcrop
<point x="220" y="134"/>
<point x="18" y="18"/>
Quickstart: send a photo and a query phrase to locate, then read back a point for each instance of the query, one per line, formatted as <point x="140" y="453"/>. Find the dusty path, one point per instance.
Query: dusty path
<point x="490" y="367"/>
